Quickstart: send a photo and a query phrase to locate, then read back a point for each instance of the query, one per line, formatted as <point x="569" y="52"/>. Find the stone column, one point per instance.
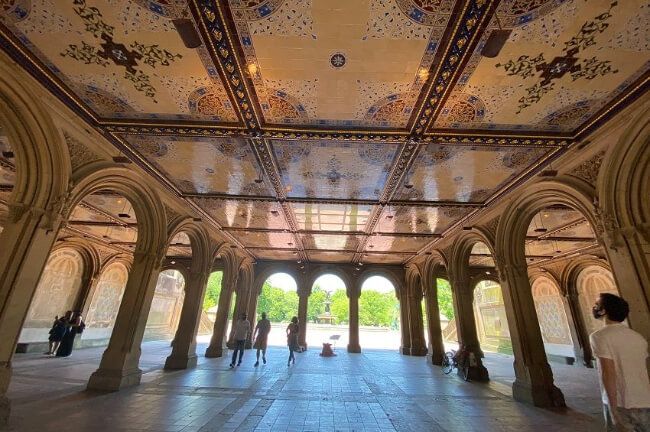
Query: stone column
<point x="183" y="354"/>
<point x="252" y="315"/>
<point x="436" y="344"/>
<point x="578" y="330"/>
<point x="418" y="345"/>
<point x="405" y="327"/>
<point x="354" y="293"/>
<point x="533" y="375"/>
<point x="26" y="245"/>
<point x="466" y="325"/>
<point x="303" y="301"/>
<point x="119" y="365"/>
<point x="217" y="345"/>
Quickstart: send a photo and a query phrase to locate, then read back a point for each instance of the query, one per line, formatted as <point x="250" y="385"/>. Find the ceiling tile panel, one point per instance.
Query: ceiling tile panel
<point x="330" y="241"/>
<point x="563" y="62"/>
<point x="205" y="165"/>
<point x="385" y="243"/>
<point x="245" y="213"/>
<point x="419" y="219"/>
<point x="331" y="217"/>
<point x="276" y="254"/>
<point x="267" y="240"/>
<point x="392" y="258"/>
<point x="464" y="174"/>
<point x="334" y="257"/>
<point x="339" y="63"/>
<point x="123" y="58"/>
<point x="334" y="169"/>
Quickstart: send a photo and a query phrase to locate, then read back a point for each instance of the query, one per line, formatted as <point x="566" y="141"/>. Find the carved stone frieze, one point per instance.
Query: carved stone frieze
<point x="588" y="170"/>
<point x="80" y="155"/>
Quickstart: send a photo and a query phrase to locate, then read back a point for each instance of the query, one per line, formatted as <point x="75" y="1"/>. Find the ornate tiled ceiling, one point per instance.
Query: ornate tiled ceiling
<point x="338" y="130"/>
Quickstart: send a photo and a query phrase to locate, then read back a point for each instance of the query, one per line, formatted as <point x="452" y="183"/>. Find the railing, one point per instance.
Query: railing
<point x="449" y="333"/>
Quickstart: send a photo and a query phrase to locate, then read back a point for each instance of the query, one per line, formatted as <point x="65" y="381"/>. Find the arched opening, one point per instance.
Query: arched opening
<point x="379" y="314"/>
<point x="592" y="281"/>
<point x="551" y="313"/>
<point x="55" y="294"/>
<point x="211" y="305"/>
<point x="105" y="303"/>
<point x="447" y="313"/>
<point x="329" y="307"/>
<point x="166" y="306"/>
<point x="279" y="300"/>
<point x="491" y="321"/>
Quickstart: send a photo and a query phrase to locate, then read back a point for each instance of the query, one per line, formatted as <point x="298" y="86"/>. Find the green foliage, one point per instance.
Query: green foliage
<point x="316" y="304"/>
<point x="278" y="304"/>
<point x="340" y="307"/>
<point x="213" y="290"/>
<point x="378" y="309"/>
<point x="445" y="299"/>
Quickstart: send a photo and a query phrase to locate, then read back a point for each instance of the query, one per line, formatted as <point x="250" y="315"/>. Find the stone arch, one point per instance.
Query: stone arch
<point x="270" y="268"/>
<point x="319" y="270"/>
<point x="462" y="248"/>
<point x="393" y="277"/>
<point x="43" y="166"/>
<point x="514" y="222"/>
<point x="199" y="242"/>
<point x="624" y="178"/>
<point x="149" y="210"/>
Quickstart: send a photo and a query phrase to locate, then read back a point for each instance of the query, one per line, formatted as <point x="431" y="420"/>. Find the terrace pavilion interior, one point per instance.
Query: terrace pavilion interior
<point x="147" y="142"/>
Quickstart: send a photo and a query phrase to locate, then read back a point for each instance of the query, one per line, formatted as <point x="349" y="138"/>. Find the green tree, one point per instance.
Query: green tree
<point x="316" y="304"/>
<point x="445" y="299"/>
<point x="340" y="306"/>
<point x="376" y="309"/>
<point x="213" y="290"/>
<point x="278" y="304"/>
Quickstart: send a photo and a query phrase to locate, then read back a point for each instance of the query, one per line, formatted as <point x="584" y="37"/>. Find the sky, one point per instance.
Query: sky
<point x="331" y="283"/>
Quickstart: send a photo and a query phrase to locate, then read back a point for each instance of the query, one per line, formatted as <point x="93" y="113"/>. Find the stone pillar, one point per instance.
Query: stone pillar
<point x="405" y="326"/>
<point x="26" y="245"/>
<point x="303" y="302"/>
<point x="578" y="330"/>
<point x="252" y="315"/>
<point x="533" y="375"/>
<point x="183" y="354"/>
<point x="217" y="345"/>
<point x="119" y="365"/>
<point x="436" y="344"/>
<point x="354" y="293"/>
<point x="466" y="325"/>
<point x="82" y="300"/>
<point x="418" y="345"/>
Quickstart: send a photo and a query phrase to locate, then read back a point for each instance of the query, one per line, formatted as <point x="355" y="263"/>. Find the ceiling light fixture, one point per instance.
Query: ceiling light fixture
<point x="495" y="41"/>
<point x="252" y="69"/>
<point x="187" y="32"/>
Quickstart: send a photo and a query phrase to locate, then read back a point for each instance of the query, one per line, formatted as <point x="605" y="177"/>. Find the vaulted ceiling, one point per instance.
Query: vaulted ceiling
<point x="337" y="130"/>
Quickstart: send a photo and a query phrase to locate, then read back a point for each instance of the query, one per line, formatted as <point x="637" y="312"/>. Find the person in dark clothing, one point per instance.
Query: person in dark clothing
<point x="292" y="339"/>
<point x="56" y="334"/>
<point x="75" y="325"/>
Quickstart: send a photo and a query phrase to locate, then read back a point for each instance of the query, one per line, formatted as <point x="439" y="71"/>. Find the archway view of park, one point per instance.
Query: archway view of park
<point x="405" y="177"/>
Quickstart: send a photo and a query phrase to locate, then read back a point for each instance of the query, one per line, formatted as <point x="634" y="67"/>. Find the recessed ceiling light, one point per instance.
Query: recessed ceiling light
<point x="252" y="68"/>
<point x="173" y="262"/>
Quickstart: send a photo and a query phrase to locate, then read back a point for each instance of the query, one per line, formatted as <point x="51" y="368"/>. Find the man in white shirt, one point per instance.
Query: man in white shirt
<point x="621" y="356"/>
<point x="242" y="328"/>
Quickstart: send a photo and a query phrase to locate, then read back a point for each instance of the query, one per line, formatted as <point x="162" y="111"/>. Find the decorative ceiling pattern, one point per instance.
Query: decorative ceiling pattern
<point x="122" y="58"/>
<point x="563" y="62"/>
<point x="464" y="174"/>
<point x="339" y="63"/>
<point x="335" y="170"/>
<point x="338" y="131"/>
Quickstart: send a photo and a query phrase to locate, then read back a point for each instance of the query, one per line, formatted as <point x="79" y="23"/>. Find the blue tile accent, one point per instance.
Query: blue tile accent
<point x="416" y="14"/>
<point x="264" y="10"/>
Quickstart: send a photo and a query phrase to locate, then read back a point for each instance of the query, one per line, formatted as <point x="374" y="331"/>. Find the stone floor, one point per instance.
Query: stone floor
<point x="373" y="391"/>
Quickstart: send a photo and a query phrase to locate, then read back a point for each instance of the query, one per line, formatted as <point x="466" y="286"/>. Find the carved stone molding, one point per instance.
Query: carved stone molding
<point x="588" y="170"/>
<point x="80" y="155"/>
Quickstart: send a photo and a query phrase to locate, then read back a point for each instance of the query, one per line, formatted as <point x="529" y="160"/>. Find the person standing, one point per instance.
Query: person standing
<point x="75" y="325"/>
<point x="292" y="339"/>
<point x="261" y="335"/>
<point x="621" y="355"/>
<point x="242" y="328"/>
<point x="56" y="334"/>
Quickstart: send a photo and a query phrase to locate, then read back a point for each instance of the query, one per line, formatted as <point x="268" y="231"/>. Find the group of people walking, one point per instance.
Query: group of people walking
<point x="260" y="335"/>
<point x="63" y="332"/>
